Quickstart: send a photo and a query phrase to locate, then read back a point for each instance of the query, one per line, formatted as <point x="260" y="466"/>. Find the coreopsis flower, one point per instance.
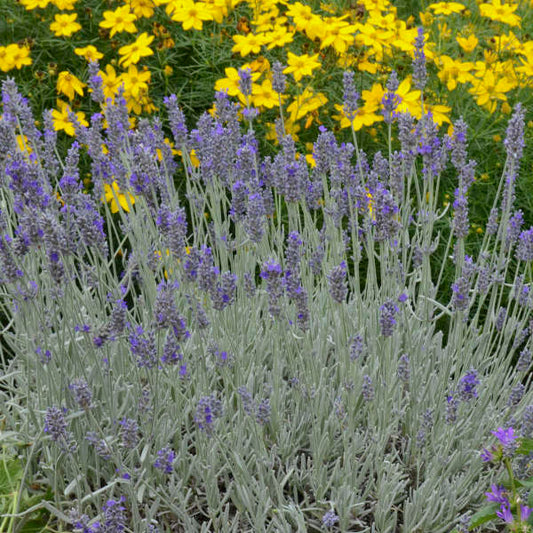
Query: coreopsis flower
<point x="451" y="71"/>
<point x="142" y="8"/>
<point x="468" y="43"/>
<point x="34" y="4"/>
<point x="446" y="8"/>
<point x="135" y="81"/>
<point x="110" y="81"/>
<point x="491" y="88"/>
<point x="264" y="95"/>
<point x="64" y="5"/>
<point x="115" y="198"/>
<point x="119" y="20"/>
<point x="338" y="34"/>
<point x="132" y="53"/>
<point x="300" y="66"/>
<point x="68" y="85"/>
<point x="89" y="53"/>
<point x="14" y="56"/>
<point x="500" y="12"/>
<point x="65" y="25"/>
<point x="62" y="121"/>
<point x="247" y="44"/>
<point x="192" y="15"/>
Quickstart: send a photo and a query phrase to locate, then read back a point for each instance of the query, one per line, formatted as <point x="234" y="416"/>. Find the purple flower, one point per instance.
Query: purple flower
<point x="330" y="519"/>
<point x="505" y="436"/>
<point x="419" y="64"/>
<point x="114" y="516"/>
<point x="387" y="319"/>
<point x="207" y="411"/>
<point x="497" y="494"/>
<point x="467" y="386"/>
<point x="525" y="511"/>
<point x="337" y="283"/>
<point x="278" y="78"/>
<point x="82" y="393"/>
<point x="165" y="459"/>
<point x="486" y="455"/>
<point x="505" y="513"/>
<point x="129" y="433"/>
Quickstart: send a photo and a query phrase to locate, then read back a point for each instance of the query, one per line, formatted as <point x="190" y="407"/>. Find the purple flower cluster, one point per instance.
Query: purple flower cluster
<point x="165" y="459"/>
<point x="208" y="410"/>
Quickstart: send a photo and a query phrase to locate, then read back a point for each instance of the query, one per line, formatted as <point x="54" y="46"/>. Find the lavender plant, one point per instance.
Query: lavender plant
<point x="197" y="361"/>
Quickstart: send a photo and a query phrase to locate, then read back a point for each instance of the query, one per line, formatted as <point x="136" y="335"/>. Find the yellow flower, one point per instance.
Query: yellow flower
<point x="142" y="8"/>
<point x="446" y="8"/>
<point x="305" y="103"/>
<point x="132" y="53"/>
<point x="65" y="25"/>
<point x="14" y="56"/>
<point x="191" y="15"/>
<point x="61" y="120"/>
<point x="300" y="66"/>
<point x="468" y="43"/>
<point x="230" y="83"/>
<point x="439" y="113"/>
<point x="489" y="89"/>
<point x="119" y="20"/>
<point x="409" y="100"/>
<point x="263" y="95"/>
<point x="33" y="4"/>
<point x="500" y="12"/>
<point x="451" y="72"/>
<point x="301" y="15"/>
<point x="338" y="34"/>
<point x="135" y="82"/>
<point x="110" y="81"/>
<point x="68" y="84"/>
<point x="67" y="5"/>
<point x="279" y="37"/>
<point x="115" y="198"/>
<point x="364" y="116"/>
<point x="89" y="53"/>
<point x="246" y="44"/>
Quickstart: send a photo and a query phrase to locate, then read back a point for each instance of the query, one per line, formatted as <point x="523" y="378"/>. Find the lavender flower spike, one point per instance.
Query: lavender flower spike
<point x="420" y="75"/>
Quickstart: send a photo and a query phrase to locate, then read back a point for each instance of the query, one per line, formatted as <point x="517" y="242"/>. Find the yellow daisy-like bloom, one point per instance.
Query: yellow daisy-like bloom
<point x="68" y="85"/>
<point x="246" y="44"/>
<point x="34" y="4"/>
<point x="280" y="36"/>
<point x="67" y="5"/>
<point x="300" y="66"/>
<point x="446" y="8"/>
<point x="115" y="198"/>
<point x="61" y="120"/>
<point x="489" y="89"/>
<point x="264" y="96"/>
<point x="65" y="25"/>
<point x="14" y="56"/>
<point x="301" y="15"/>
<point x="89" y="53"/>
<point x="110" y="81"/>
<point x="468" y="43"/>
<point x="192" y="15"/>
<point x="452" y="72"/>
<point x="338" y="34"/>
<point x="119" y="20"/>
<point x="364" y="116"/>
<point x="440" y="113"/>
<point x="132" y="53"/>
<point x="230" y="83"/>
<point x="305" y="103"/>
<point x="142" y="8"/>
<point x="500" y="12"/>
<point x="135" y="82"/>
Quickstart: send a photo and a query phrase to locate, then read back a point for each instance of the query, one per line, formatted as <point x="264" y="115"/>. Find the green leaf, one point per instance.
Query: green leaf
<point x="525" y="482"/>
<point x="526" y="446"/>
<point x="484" y="515"/>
